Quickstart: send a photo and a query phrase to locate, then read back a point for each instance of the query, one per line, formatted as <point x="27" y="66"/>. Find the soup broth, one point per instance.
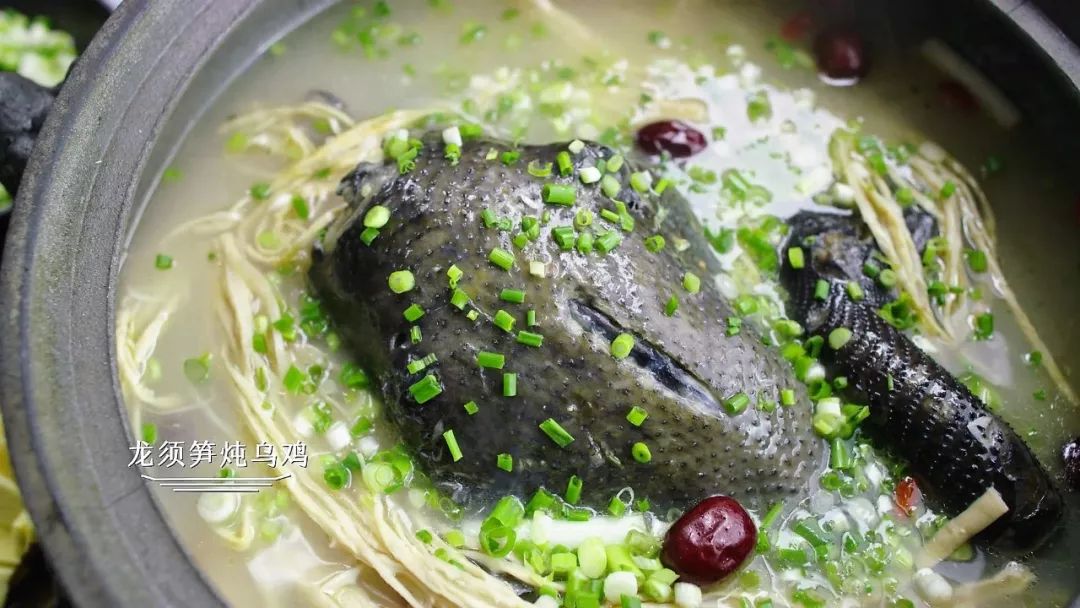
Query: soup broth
<point x="594" y="71"/>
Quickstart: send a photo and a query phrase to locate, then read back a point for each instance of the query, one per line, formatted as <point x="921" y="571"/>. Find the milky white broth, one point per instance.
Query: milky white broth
<point x="1036" y="218"/>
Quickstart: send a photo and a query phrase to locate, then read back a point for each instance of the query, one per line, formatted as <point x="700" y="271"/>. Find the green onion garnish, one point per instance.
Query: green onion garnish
<point x="472" y="315"/>
<point x="947" y="190"/>
<point x="609" y="215"/>
<point x="509" y="385"/>
<point x="501" y="258"/>
<point x="510" y="157"/>
<point x="566" y="166"/>
<point x="488" y="217"/>
<point x="415" y="335"/>
<point x="535" y="169"/>
<point x="887" y="277"/>
<point x="839" y="337"/>
<point x="608" y="241"/>
<point x="622" y="345"/>
<point x="564" y="237"/>
<point x="976" y="260"/>
<point x="368" y="235"/>
<point x="197" y="371"/>
<point x="459" y="299"/>
<point x="584" y="243"/>
<point x="671" y="306"/>
<point x="556" y="433"/>
<point x="163" y="262"/>
<point x="490" y="360"/>
<point x="637" y="415"/>
<point x="614" y="163"/>
<point x="260" y="192"/>
<point x="610" y="186"/>
<point x="691" y="283"/>
<point x="616" y="508"/>
<point x="573" y="490"/>
<point x="426" y="389"/>
<point x="736" y="403"/>
<point x="504" y="320"/>
<point x="471" y="408"/>
<point x="530" y="318"/>
<point x="452" y="444"/>
<point x="413" y="312"/>
<point x="401" y="281"/>
<point x="641" y="181"/>
<point x="589" y="175"/>
<point x="796" y="257"/>
<point x="376" y="217"/>
<point x="576" y="146"/>
<point x="515" y="296"/>
<point x="655" y="243"/>
<point x="558" y="194"/>
<point x="529" y="338"/>
<point x="821" y="289"/>
<point x="641" y="452"/>
<point x="583" y="219"/>
<point x="505" y="462"/>
<point x="854" y="291"/>
<point x="454" y="274"/>
<point x="984" y="326"/>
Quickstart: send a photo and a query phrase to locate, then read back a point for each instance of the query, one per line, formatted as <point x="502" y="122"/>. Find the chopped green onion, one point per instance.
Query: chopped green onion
<point x="947" y="190"/>
<point x="260" y="192"/>
<point x="556" y="433"/>
<point x="576" y="146"/>
<point x="558" y="194"/>
<point x="610" y="186"/>
<point x="426" y="389"/>
<point x="368" y="235"/>
<point x="537" y="269"/>
<point x="691" y="283"/>
<point x="622" y="345"/>
<point x="641" y="452"/>
<point x="163" y="262"/>
<point x="839" y="337"/>
<point x="984" y="326"/>
<point x="535" y="169"/>
<point x="655" y="243"/>
<point x="796" y="257"/>
<point x="471" y="408"/>
<point x="671" y="306"/>
<point x="735" y="404"/>
<point x="501" y="258"/>
<point x="510" y="157"/>
<point x="413" y="312"/>
<point x="573" y="490"/>
<point x="458" y="298"/>
<point x="887" y="278"/>
<point x="641" y="181"/>
<point x="976" y="260"/>
<point x="515" y="296"/>
<point x="616" y="507"/>
<point x="529" y="338"/>
<point x="787" y="396"/>
<point x="637" y="415"/>
<point x="401" y="281"/>
<point x="509" y="385"/>
<point x="452" y="445"/>
<point x="608" y="241"/>
<point x="564" y="237"/>
<point x="589" y="175"/>
<point x="197" y="369"/>
<point x="566" y="166"/>
<point x="821" y="289"/>
<point x="505" y="462"/>
<point x="854" y="290"/>
<point x="583" y="219"/>
<point x="488" y="217"/>
<point x="530" y="318"/>
<point x="376" y="217"/>
<point x="454" y="274"/>
<point x="504" y="320"/>
<point x="490" y="360"/>
<point x="609" y="215"/>
<point x="584" y="243"/>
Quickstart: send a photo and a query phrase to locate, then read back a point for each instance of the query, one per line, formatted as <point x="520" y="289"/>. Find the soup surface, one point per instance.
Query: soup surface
<point x="223" y="342"/>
